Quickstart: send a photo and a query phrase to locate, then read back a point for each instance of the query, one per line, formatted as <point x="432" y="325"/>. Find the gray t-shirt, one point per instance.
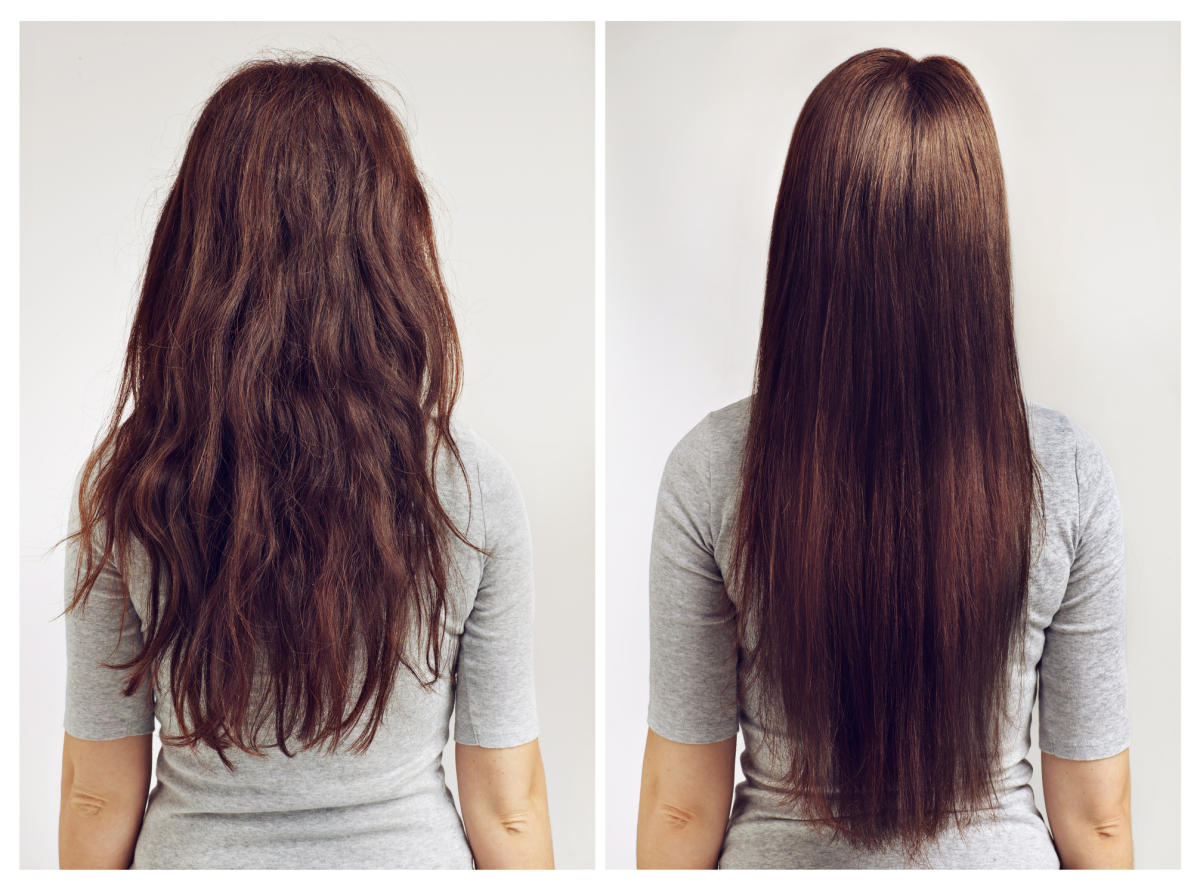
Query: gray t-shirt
<point x="386" y="808"/>
<point x="1074" y="642"/>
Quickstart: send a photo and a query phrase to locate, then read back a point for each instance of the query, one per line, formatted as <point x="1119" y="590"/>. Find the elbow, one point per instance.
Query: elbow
<point x="683" y="810"/>
<point x="674" y="818"/>
<point x="517" y="822"/>
<point x="677" y="833"/>
<point x="518" y="816"/>
<point x="1097" y="840"/>
<point x="86" y="803"/>
<point x="1111" y="822"/>
<point x="1111" y="829"/>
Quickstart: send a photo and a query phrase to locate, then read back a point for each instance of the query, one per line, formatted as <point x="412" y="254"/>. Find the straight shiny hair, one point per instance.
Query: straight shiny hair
<point x="291" y="369"/>
<point x="889" y="487"/>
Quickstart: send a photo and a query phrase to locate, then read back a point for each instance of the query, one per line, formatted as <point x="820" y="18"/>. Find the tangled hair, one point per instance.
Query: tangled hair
<point x="292" y="367"/>
<point x="889" y="486"/>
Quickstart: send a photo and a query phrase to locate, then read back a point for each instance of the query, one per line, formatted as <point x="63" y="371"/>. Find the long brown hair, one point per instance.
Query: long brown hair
<point x="888" y="484"/>
<point x="292" y="367"/>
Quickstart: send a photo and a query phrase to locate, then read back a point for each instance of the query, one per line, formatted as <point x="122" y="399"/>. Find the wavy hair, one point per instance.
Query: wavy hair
<point x="889" y="487"/>
<point x="291" y="370"/>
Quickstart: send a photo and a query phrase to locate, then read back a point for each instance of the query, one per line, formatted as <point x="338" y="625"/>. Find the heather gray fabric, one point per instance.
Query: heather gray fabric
<point x="388" y="807"/>
<point x="1074" y="641"/>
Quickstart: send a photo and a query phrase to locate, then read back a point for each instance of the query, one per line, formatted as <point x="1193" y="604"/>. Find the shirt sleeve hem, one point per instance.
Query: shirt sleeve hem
<point x="499" y="740"/>
<point x="1084" y="752"/>
<point x="692" y="735"/>
<point x="106" y="734"/>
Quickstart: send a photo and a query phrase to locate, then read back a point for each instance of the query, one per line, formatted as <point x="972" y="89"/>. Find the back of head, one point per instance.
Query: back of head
<point x="291" y="370"/>
<point x="888" y="483"/>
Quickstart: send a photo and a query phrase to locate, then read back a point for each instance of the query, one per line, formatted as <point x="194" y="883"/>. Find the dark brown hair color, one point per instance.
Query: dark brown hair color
<point x="888" y="484"/>
<point x="290" y="375"/>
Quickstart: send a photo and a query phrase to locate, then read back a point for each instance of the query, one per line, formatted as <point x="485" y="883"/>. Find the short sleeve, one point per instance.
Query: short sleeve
<point x="494" y="689"/>
<point x="102" y="630"/>
<point x="693" y="623"/>
<point x="1083" y="711"/>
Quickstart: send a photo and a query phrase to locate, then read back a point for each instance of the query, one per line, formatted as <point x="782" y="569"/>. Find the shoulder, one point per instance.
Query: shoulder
<point x="78" y="494"/>
<point x="1077" y="481"/>
<point x="704" y="466"/>
<point x="1065" y="446"/>
<point x="1048" y="426"/>
<point x="99" y="456"/>
<point x="715" y="440"/>
<point x="727" y="430"/>
<point x="481" y="460"/>
<point x="494" y="483"/>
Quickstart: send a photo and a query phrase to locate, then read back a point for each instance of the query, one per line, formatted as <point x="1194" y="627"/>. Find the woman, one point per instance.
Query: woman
<point x="869" y="563"/>
<point x="287" y="553"/>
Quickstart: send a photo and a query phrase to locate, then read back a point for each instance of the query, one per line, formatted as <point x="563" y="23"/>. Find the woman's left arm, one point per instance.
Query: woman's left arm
<point x="691" y="744"/>
<point x="686" y="793"/>
<point x="104" y="788"/>
<point x="107" y="742"/>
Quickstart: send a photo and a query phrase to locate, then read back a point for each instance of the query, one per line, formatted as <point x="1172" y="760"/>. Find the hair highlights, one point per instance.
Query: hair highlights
<point x="292" y="367"/>
<point x="888" y="483"/>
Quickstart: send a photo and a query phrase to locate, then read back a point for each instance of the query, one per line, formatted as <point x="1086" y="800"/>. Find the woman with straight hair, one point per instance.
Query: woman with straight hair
<point x="873" y="562"/>
<point x="284" y="550"/>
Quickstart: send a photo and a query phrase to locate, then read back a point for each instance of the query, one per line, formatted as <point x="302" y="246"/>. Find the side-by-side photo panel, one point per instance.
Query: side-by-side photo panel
<point x="307" y="436"/>
<point x="892" y="445"/>
<point x="889" y="505"/>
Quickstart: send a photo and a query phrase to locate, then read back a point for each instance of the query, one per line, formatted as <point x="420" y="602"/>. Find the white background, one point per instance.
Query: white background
<point x="501" y="119"/>
<point x="698" y="123"/>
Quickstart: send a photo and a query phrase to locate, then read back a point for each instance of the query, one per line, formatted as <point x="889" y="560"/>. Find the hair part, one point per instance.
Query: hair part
<point x="882" y="548"/>
<point x="291" y="371"/>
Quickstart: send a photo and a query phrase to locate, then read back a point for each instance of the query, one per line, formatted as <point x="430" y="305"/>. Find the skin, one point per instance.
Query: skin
<point x="502" y="792"/>
<point x="686" y="793"/>
<point x="1087" y="802"/>
<point x="105" y="785"/>
<point x="104" y="788"/>
<point x="687" y="790"/>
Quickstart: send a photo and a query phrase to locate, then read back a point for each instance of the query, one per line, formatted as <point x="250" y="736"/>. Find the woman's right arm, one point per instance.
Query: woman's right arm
<point x="502" y="792"/>
<point x="1084" y="730"/>
<point x="501" y="781"/>
<point x="1088" y="805"/>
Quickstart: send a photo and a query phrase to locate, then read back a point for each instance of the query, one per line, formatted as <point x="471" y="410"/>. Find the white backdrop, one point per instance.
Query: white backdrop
<point x="501" y="121"/>
<point x="698" y="122"/>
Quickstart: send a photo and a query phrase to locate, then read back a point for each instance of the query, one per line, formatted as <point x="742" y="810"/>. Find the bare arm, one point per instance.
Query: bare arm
<point x="686" y="793"/>
<point x="1088" y="805"/>
<point x="104" y="787"/>
<point x="502" y="792"/>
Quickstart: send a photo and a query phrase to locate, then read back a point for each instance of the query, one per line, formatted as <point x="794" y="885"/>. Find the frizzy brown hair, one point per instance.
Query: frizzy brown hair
<point x="292" y="367"/>
<point x="889" y="488"/>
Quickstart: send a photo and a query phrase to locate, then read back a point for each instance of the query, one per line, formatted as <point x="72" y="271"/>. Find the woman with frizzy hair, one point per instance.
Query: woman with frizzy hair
<point x="872" y="563"/>
<point x="283" y="548"/>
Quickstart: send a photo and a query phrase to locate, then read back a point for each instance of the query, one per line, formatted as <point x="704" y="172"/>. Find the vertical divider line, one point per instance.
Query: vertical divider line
<point x="600" y="657"/>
